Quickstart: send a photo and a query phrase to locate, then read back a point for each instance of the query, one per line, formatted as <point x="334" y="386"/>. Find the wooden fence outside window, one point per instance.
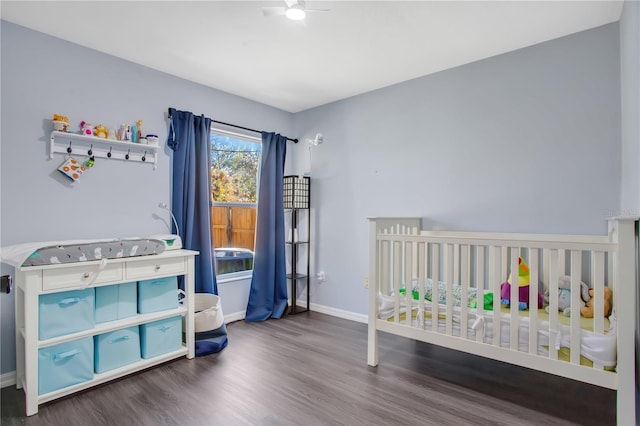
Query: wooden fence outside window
<point x="234" y="225"/>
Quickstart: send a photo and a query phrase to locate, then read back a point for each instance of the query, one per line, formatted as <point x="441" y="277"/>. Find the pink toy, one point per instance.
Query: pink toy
<point x="86" y="128"/>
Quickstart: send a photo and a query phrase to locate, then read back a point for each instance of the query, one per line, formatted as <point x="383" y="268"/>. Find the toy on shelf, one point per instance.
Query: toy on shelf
<point x="86" y="128"/>
<point x="523" y="288"/>
<point x="100" y="131"/>
<point x="60" y="123"/>
<point x="139" y="129"/>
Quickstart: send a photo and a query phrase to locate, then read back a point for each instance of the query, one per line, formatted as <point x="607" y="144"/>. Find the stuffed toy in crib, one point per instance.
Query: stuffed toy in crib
<point x="564" y="295"/>
<point x="587" y="309"/>
<point x="523" y="288"/>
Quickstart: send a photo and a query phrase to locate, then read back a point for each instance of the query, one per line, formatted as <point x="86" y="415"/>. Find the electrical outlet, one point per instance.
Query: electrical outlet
<point x="321" y="276"/>
<point x="366" y="282"/>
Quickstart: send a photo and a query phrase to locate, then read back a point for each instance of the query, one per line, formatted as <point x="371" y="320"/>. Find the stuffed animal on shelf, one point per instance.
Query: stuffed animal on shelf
<point x="100" y="131"/>
<point x="523" y="288"/>
<point x="60" y="123"/>
<point x="564" y="295"/>
<point x="86" y="128"/>
<point x="587" y="309"/>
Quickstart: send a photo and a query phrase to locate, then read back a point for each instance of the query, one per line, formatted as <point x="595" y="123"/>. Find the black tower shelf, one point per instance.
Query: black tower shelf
<point x="296" y="193"/>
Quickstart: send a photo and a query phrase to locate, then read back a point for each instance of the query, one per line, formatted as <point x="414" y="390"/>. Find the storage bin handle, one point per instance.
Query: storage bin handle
<point x="69" y="301"/>
<point x="165" y="327"/>
<point x="67" y="354"/>
<point x="120" y="338"/>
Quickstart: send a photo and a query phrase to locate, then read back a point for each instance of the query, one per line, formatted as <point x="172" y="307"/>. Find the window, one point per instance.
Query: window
<point x="234" y="191"/>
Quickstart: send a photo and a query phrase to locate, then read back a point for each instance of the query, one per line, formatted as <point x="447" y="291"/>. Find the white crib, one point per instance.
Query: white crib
<point x="406" y="261"/>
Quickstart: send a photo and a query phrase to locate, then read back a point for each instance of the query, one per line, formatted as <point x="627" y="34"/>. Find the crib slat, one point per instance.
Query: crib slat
<point x="396" y="279"/>
<point x="515" y="298"/>
<point x="435" y="265"/>
<point x="495" y="274"/>
<point x="456" y="264"/>
<point x="553" y="302"/>
<point x="385" y="278"/>
<point x="533" y="300"/>
<point x="422" y="274"/>
<point x="408" y="268"/>
<point x="597" y="278"/>
<point x="448" y="277"/>
<point x="480" y="259"/>
<point x="576" y="277"/>
<point x="464" y="282"/>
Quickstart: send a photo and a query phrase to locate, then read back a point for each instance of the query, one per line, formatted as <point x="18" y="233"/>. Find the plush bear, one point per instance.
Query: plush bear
<point x="523" y="288"/>
<point x="587" y="310"/>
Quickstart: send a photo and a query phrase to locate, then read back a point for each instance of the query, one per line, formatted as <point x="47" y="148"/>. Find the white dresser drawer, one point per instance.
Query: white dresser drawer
<point x="80" y="276"/>
<point x="155" y="268"/>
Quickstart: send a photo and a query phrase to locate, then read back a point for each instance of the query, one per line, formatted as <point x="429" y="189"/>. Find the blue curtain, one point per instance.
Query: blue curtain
<point x="189" y="138"/>
<point x="268" y="293"/>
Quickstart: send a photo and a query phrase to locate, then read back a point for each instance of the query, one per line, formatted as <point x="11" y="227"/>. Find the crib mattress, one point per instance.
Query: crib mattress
<point x="49" y="253"/>
<point x="598" y="348"/>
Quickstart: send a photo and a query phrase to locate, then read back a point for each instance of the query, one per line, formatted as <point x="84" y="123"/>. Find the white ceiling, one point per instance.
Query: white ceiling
<point x="357" y="47"/>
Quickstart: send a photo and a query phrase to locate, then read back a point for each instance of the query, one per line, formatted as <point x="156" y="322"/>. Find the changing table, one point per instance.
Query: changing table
<point x="33" y="281"/>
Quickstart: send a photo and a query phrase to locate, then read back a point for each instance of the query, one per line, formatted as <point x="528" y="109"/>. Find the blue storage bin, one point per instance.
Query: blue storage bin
<point x="114" y="302"/>
<point x="157" y="294"/>
<point x="116" y="349"/>
<point x="65" y="364"/>
<point x="65" y="312"/>
<point x="160" y="337"/>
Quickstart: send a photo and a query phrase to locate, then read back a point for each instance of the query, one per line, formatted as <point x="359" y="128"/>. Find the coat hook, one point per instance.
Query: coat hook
<point x="69" y="148"/>
<point x="90" y="152"/>
<point x="109" y="153"/>
<point x="144" y="157"/>
<point x="126" y="157"/>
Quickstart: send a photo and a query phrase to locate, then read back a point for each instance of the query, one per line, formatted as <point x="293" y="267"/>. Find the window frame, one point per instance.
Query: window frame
<point x="246" y="274"/>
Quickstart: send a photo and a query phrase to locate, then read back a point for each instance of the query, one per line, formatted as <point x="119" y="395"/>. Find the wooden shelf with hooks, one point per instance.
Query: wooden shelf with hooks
<point x="80" y="145"/>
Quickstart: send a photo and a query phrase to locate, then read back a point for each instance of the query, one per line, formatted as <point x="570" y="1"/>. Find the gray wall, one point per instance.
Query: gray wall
<point x="630" y="95"/>
<point x="528" y="141"/>
<point x="42" y="75"/>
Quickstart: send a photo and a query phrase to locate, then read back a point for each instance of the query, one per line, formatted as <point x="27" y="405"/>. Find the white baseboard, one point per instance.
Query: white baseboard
<point x="236" y="316"/>
<point x="7" y="379"/>
<point x="334" y="312"/>
<point x="339" y="313"/>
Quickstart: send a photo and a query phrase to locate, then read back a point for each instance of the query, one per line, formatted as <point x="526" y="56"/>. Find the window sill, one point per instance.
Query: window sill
<point x="234" y="276"/>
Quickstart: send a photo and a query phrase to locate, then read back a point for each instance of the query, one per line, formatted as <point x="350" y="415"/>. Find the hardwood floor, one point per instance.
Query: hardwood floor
<point x="310" y="369"/>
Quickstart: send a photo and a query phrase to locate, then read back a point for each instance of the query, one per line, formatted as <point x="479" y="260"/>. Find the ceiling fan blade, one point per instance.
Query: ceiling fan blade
<point x="273" y="10"/>
<point x="317" y="10"/>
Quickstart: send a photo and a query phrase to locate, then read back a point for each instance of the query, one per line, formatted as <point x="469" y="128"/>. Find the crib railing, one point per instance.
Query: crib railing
<point x="405" y="261"/>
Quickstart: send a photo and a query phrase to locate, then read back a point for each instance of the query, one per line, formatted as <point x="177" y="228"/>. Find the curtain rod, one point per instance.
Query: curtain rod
<point x="241" y="127"/>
